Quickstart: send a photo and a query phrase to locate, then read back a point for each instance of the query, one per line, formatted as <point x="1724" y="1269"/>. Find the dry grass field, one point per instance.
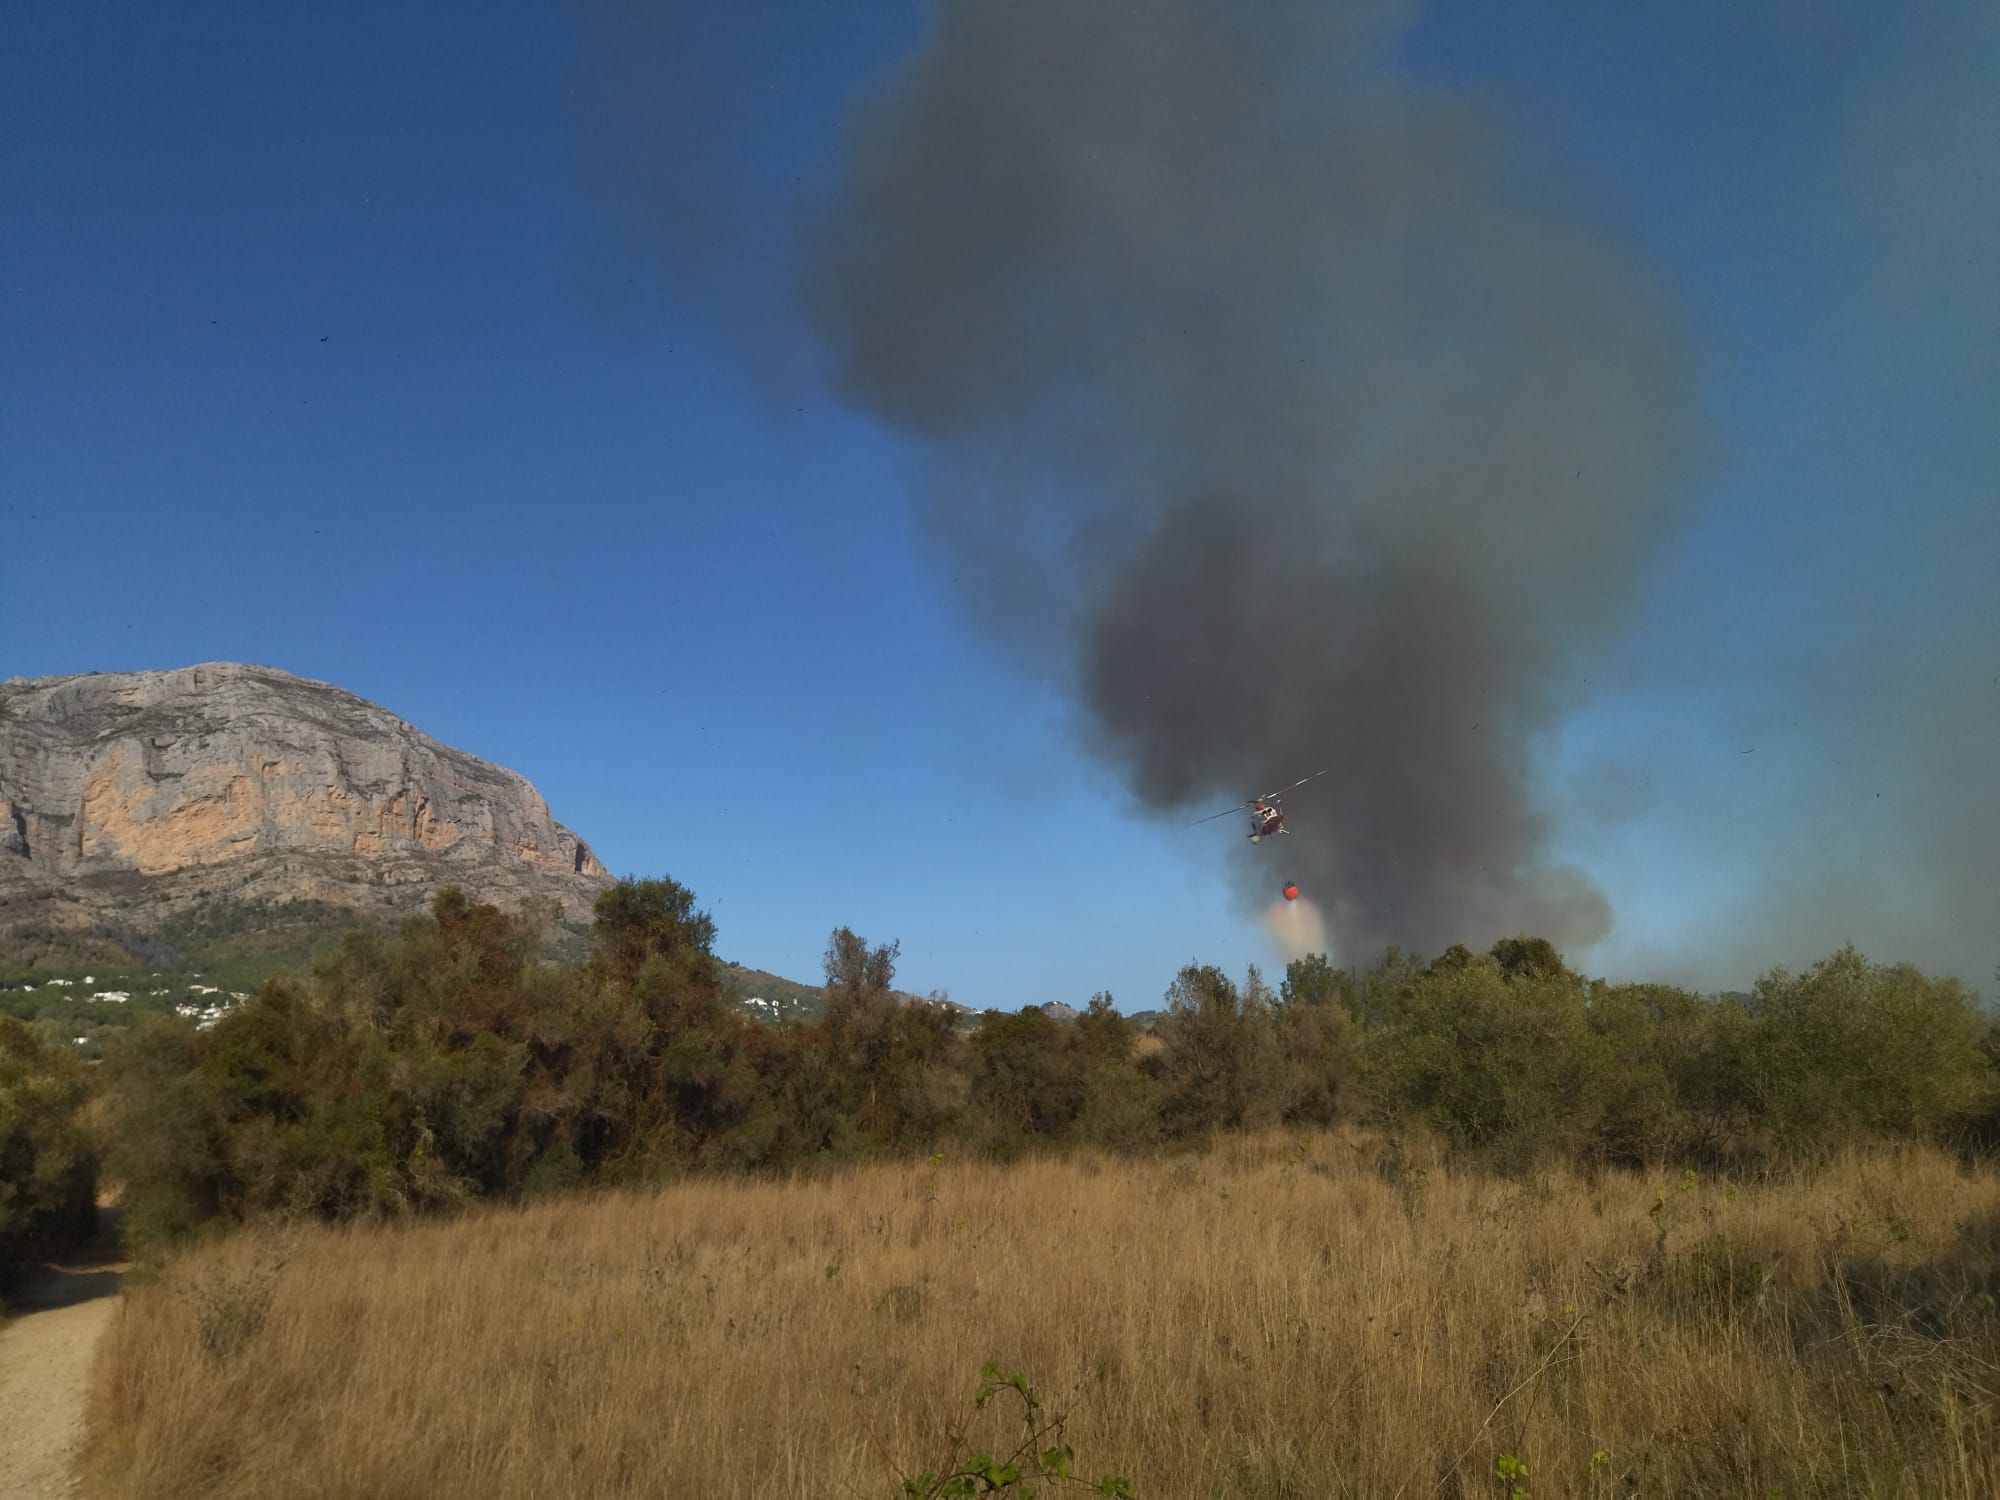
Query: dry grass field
<point x="1279" y="1318"/>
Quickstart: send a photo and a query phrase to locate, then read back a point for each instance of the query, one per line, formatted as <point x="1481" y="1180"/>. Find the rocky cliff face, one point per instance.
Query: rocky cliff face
<point x="137" y="794"/>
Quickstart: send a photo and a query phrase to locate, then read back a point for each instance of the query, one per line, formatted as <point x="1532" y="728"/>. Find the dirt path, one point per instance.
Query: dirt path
<point x="55" y="1320"/>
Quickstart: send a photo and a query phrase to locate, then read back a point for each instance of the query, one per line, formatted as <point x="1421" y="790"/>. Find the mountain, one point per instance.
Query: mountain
<point x="137" y="802"/>
<point x="765" y="996"/>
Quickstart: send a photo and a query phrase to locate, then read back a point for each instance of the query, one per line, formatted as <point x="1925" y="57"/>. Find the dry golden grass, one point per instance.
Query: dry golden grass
<point x="1278" y="1319"/>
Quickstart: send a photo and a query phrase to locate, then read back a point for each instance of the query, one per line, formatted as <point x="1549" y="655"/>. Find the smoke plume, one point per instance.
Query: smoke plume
<point x="1280" y="408"/>
<point x="1893" y="835"/>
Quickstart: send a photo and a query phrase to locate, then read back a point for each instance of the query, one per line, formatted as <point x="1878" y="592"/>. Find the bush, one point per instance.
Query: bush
<point x="455" y="1061"/>
<point x="1218" y="1064"/>
<point x="1500" y="1064"/>
<point x="1852" y="1049"/>
<point x="48" y="1175"/>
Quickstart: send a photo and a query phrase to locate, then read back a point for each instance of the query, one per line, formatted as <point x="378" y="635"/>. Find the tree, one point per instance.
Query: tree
<point x="894" y="1065"/>
<point x="857" y="975"/>
<point x="859" y="1010"/>
<point x="1455" y="959"/>
<point x="1491" y="1062"/>
<point x="1026" y="1080"/>
<point x="1120" y="1108"/>
<point x="1519" y="957"/>
<point x="1103" y="1035"/>
<point x="48" y="1175"/>
<point x="637" y="921"/>
<point x="1312" y="980"/>
<point x="1317" y="1039"/>
<point x="1215" y="1063"/>
<point x="162" y="1138"/>
<point x="1851" y="1048"/>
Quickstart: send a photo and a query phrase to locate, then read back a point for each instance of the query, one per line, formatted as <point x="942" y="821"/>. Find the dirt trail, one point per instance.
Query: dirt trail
<point x="55" y="1320"/>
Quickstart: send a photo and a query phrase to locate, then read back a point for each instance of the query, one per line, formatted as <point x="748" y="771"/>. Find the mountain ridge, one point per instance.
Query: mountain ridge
<point x="130" y="798"/>
<point x="234" y="818"/>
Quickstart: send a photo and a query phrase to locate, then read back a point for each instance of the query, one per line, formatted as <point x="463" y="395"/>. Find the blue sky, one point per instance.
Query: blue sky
<point x="317" y="349"/>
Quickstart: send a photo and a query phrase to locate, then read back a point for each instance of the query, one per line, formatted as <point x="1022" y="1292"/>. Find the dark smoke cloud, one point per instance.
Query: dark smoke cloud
<point x="1904" y="687"/>
<point x="1855" y="640"/>
<point x="1280" y="408"/>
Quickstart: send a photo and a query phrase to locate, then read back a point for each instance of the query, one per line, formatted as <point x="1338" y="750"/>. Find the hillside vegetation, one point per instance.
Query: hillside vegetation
<point x="79" y="989"/>
<point x="48" y="977"/>
<point x="1336" y="1313"/>
<point x="455" y="1062"/>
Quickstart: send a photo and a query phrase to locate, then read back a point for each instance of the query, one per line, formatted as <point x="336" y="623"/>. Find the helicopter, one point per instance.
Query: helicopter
<point x="1267" y="813"/>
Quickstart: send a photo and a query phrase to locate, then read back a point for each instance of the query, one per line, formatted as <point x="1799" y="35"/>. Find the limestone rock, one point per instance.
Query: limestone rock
<point x="137" y="794"/>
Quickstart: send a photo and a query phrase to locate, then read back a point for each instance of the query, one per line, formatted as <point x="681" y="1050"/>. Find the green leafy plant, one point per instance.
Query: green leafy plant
<point x="1042" y="1454"/>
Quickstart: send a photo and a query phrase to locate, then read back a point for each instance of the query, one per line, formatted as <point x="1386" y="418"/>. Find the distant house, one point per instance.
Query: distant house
<point x="203" y="1016"/>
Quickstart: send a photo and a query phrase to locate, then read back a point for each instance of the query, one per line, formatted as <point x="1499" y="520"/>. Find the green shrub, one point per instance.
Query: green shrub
<point x="1851" y="1049"/>
<point x="456" y="1060"/>
<point x="48" y="1174"/>
<point x="1506" y="1066"/>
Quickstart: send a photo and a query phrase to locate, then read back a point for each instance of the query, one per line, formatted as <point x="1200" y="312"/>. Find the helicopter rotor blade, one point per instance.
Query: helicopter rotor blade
<point x="1227" y="813"/>
<point x="1295" y="785"/>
